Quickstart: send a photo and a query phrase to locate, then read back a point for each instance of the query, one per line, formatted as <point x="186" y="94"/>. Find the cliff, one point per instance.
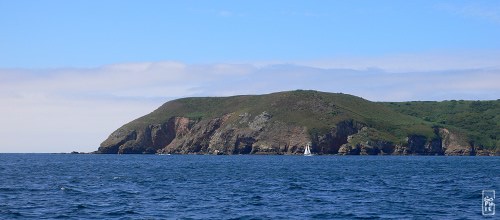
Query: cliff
<point x="284" y="123"/>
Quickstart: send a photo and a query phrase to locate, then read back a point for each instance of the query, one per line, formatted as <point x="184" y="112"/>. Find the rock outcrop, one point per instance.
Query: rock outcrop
<point x="455" y="144"/>
<point x="182" y="135"/>
<point x="443" y="143"/>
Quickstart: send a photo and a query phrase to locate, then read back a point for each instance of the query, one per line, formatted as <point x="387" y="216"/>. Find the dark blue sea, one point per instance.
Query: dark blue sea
<point x="66" y="186"/>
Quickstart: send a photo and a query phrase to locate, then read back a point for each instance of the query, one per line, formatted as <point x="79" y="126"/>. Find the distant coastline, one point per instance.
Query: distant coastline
<point x="284" y="123"/>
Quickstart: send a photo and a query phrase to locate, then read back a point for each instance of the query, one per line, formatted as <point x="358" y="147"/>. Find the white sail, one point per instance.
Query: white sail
<point x="307" y="151"/>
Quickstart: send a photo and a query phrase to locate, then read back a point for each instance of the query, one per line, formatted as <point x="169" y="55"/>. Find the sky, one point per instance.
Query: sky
<point x="72" y="72"/>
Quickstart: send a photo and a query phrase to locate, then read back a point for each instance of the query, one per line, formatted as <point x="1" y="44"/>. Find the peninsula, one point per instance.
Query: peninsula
<point x="334" y="123"/>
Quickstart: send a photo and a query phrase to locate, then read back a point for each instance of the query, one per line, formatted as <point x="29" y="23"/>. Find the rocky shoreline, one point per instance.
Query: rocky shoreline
<point x="182" y="135"/>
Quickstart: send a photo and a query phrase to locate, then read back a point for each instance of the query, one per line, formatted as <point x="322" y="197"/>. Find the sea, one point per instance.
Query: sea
<point x="92" y="186"/>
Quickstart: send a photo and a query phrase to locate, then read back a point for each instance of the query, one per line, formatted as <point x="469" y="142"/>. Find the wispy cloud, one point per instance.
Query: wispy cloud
<point x="422" y="62"/>
<point x="303" y="14"/>
<point x="217" y="12"/>
<point x="68" y="109"/>
<point x="472" y="10"/>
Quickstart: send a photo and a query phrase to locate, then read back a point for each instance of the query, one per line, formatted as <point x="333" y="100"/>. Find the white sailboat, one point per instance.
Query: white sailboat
<point x="307" y="151"/>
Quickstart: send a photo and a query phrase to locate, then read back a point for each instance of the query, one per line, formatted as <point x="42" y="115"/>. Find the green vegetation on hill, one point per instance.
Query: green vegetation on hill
<point x="284" y="122"/>
<point x="480" y="120"/>
<point x="317" y="111"/>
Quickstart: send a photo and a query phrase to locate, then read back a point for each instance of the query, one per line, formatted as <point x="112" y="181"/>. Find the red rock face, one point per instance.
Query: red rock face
<point x="181" y="126"/>
<point x="229" y="134"/>
<point x="454" y="144"/>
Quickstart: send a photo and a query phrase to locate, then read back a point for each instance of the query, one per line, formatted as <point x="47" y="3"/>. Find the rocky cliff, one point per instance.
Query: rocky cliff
<point x="284" y="123"/>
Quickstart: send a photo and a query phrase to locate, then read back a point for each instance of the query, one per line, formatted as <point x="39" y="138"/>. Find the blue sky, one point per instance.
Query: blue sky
<point x="71" y="72"/>
<point x="41" y="34"/>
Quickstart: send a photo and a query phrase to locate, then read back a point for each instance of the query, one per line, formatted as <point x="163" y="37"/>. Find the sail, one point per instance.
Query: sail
<point x="307" y="151"/>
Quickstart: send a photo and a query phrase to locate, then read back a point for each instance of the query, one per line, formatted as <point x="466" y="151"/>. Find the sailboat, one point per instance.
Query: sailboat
<point x="307" y="151"/>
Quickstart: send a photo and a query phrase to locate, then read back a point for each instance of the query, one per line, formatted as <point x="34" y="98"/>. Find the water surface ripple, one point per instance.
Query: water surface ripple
<point x="51" y="186"/>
